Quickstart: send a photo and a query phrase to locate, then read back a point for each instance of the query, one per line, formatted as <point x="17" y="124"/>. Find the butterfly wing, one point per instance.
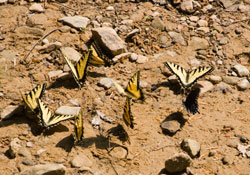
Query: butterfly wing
<point x="97" y="57"/>
<point x="179" y="72"/>
<point x="35" y="93"/>
<point x="45" y="113"/>
<point x="79" y="128"/>
<point x="118" y="87"/>
<point x="127" y="115"/>
<point x="191" y="102"/>
<point x="81" y="66"/>
<point x="195" y="74"/>
<point x="133" y="87"/>
<point x="73" y="70"/>
<point x="56" y="119"/>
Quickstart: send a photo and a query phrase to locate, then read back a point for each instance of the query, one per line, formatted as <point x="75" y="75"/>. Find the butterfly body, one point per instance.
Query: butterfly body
<point x="47" y="118"/>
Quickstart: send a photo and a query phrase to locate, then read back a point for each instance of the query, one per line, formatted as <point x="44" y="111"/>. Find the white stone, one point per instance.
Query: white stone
<point x="68" y="110"/>
<point x="71" y="53"/>
<point x="142" y="59"/>
<point x="105" y="82"/>
<point x="55" y="73"/>
<point x="10" y="110"/>
<point x="57" y="169"/>
<point x="36" y="8"/>
<point x="78" y="22"/>
<point x="243" y="84"/>
<point x="194" y="18"/>
<point x="206" y="86"/>
<point x="202" y="23"/>
<point x="241" y="70"/>
<point x="110" y="8"/>
<point x="81" y="160"/>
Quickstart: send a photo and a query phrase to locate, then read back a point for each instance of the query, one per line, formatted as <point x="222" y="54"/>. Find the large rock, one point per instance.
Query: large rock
<point x="47" y="169"/>
<point x="198" y="43"/>
<point x="187" y="6"/>
<point x="241" y="70"/>
<point x="177" y="38"/>
<point x="10" y="110"/>
<point x="14" y="147"/>
<point x="80" y="161"/>
<point x="71" y="53"/>
<point x="78" y="22"/>
<point x="228" y="3"/>
<point x="109" y="40"/>
<point x="170" y="127"/>
<point x="192" y="147"/>
<point x="68" y="110"/>
<point x="177" y="163"/>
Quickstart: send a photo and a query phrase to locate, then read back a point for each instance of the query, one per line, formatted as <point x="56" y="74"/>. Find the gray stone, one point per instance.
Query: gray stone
<point x="203" y="29"/>
<point x="223" y="87"/>
<point x="177" y="163"/>
<point x="78" y="22"/>
<point x="194" y="18"/>
<point x="29" y="144"/>
<point x="29" y="30"/>
<point x="133" y="57"/>
<point x="81" y="160"/>
<point x="105" y="82"/>
<point x="71" y="53"/>
<point x="109" y="39"/>
<point x="228" y="3"/>
<point x="11" y="110"/>
<point x="202" y="23"/>
<point x="230" y="80"/>
<point x="141" y="59"/>
<point x="46" y="169"/>
<point x="240" y="70"/>
<point x="55" y="73"/>
<point x="47" y="48"/>
<point x="187" y="6"/>
<point x="36" y="8"/>
<point x="36" y="20"/>
<point x="74" y="102"/>
<point x="158" y="24"/>
<point x="199" y="43"/>
<point x="170" y="127"/>
<point x="119" y="152"/>
<point x="28" y="161"/>
<point x="243" y="8"/>
<point x="192" y="147"/>
<point x="215" y="79"/>
<point x="223" y="41"/>
<point x="64" y="29"/>
<point x="14" y="147"/>
<point x="206" y="86"/>
<point x="243" y="84"/>
<point x="177" y="38"/>
<point x="137" y="16"/>
<point x="143" y="84"/>
<point x="68" y="110"/>
<point x="24" y="152"/>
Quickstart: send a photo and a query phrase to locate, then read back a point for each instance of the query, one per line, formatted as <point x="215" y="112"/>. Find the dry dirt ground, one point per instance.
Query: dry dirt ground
<point x="222" y="122"/>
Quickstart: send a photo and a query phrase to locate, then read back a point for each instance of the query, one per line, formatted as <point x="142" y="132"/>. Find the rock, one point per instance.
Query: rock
<point x="228" y="159"/>
<point x="141" y="59"/>
<point x="177" y="38"/>
<point x="132" y="33"/>
<point x="187" y="6"/>
<point x="194" y="18"/>
<point x="55" y="73"/>
<point x="29" y="30"/>
<point x="105" y="82"/>
<point x="109" y="39"/>
<point x="45" y="169"/>
<point x="223" y="87"/>
<point x="206" y="86"/>
<point x="198" y="43"/>
<point x="29" y="144"/>
<point x="123" y="55"/>
<point x="192" y="147"/>
<point x="173" y="79"/>
<point x="170" y="127"/>
<point x="11" y="110"/>
<point x="71" y="53"/>
<point x="119" y="152"/>
<point x="158" y="24"/>
<point x="68" y="110"/>
<point x="8" y="55"/>
<point x="195" y="62"/>
<point x="243" y="84"/>
<point x="243" y="8"/>
<point x="215" y="79"/>
<point x="203" y="29"/>
<point x="36" y="20"/>
<point x="212" y="153"/>
<point x="223" y="41"/>
<point x="24" y="152"/>
<point x="133" y="57"/>
<point x="238" y="31"/>
<point x="14" y="147"/>
<point x="36" y="8"/>
<point x="39" y="77"/>
<point x="110" y="8"/>
<point x="230" y="80"/>
<point x="143" y="84"/>
<point x="202" y="23"/>
<point x="241" y="70"/>
<point x="64" y="29"/>
<point x="228" y="3"/>
<point x="80" y="161"/>
<point x="3" y="2"/>
<point x="28" y="161"/>
<point x="137" y="16"/>
<point x="74" y="102"/>
<point x="47" y="48"/>
<point x="96" y="121"/>
<point x="177" y="163"/>
<point x="78" y="22"/>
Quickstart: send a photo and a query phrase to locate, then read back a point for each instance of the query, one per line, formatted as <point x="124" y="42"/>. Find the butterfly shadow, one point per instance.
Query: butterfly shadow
<point x="176" y="88"/>
<point x="66" y="143"/>
<point x="96" y="74"/>
<point x="164" y="172"/>
<point x="51" y="130"/>
<point x="68" y="83"/>
<point x="176" y="116"/>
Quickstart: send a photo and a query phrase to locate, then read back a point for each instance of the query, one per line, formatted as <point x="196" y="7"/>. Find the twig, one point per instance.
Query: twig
<point x="65" y="6"/>
<point x="44" y="36"/>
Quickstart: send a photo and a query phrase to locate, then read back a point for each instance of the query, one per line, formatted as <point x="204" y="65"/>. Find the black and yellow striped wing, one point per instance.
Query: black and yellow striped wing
<point x="97" y="57"/>
<point x="191" y="102"/>
<point x="79" y="70"/>
<point x="78" y="127"/>
<point x="133" y="88"/>
<point x="187" y="79"/>
<point x="35" y="93"/>
<point x="47" y="118"/>
<point x="127" y="115"/>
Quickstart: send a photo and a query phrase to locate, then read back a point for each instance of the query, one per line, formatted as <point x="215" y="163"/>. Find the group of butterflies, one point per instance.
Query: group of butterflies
<point x="94" y="56"/>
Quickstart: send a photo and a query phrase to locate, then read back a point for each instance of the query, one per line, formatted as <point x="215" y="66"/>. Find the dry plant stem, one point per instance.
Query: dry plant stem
<point x="65" y="6"/>
<point x="44" y="36"/>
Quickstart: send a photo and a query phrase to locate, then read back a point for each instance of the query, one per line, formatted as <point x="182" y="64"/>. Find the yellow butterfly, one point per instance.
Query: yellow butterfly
<point x="78" y="127"/>
<point x="127" y="115"/>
